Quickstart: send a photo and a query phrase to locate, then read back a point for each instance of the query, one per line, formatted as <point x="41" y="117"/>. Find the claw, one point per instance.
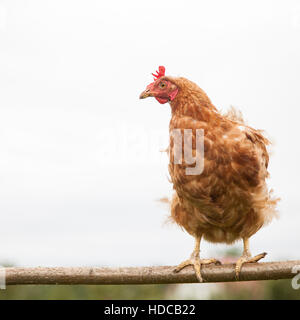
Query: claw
<point x="246" y="259"/>
<point x="196" y="262"/>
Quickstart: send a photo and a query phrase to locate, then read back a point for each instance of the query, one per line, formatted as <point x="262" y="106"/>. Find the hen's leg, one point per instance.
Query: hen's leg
<point x="246" y="257"/>
<point x="195" y="261"/>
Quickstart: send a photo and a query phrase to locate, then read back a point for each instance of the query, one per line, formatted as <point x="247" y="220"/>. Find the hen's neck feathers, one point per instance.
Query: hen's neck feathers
<point x="191" y="101"/>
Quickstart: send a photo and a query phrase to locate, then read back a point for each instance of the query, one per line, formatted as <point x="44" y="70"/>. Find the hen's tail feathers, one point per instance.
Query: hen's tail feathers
<point x="234" y="114"/>
<point x="270" y="210"/>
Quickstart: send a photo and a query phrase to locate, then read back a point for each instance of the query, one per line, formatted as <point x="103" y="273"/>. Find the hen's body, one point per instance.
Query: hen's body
<point x="229" y="200"/>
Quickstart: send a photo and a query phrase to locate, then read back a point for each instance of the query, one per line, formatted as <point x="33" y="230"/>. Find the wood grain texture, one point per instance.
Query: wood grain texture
<point x="147" y="275"/>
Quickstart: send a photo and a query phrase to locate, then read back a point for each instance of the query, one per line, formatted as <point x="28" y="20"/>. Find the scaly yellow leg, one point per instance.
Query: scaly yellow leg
<point x="195" y="261"/>
<point x="246" y="258"/>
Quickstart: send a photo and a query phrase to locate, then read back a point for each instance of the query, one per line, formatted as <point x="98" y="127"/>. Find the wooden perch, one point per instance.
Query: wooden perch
<point x="148" y="275"/>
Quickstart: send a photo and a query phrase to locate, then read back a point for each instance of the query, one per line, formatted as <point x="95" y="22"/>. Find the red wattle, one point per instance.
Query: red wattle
<point x="162" y="100"/>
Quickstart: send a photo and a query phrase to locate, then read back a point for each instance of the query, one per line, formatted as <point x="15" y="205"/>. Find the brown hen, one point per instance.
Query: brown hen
<point x="227" y="199"/>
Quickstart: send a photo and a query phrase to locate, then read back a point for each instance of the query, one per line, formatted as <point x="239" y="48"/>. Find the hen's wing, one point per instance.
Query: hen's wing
<point x="235" y="163"/>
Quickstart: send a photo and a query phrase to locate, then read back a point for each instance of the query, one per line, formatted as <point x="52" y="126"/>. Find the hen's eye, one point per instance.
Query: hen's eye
<point x="162" y="85"/>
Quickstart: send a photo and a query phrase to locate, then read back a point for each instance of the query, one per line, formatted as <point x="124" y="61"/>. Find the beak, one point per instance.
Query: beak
<point x="145" y="94"/>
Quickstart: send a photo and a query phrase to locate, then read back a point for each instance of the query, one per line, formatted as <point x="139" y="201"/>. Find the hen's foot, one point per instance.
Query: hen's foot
<point x="196" y="262"/>
<point x="246" y="259"/>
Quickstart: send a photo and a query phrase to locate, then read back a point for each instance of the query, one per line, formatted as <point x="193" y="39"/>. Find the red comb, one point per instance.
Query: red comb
<point x="160" y="73"/>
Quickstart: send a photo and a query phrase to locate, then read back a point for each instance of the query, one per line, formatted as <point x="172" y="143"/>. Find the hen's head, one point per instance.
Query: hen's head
<point x="162" y="89"/>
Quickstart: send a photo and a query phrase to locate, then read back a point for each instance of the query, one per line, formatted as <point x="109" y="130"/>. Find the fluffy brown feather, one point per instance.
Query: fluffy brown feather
<point x="230" y="199"/>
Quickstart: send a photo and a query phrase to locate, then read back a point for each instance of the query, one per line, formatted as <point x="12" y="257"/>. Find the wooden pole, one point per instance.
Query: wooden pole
<point x="148" y="275"/>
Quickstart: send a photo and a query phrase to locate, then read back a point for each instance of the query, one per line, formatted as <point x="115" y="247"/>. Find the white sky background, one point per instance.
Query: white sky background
<point x="80" y="167"/>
